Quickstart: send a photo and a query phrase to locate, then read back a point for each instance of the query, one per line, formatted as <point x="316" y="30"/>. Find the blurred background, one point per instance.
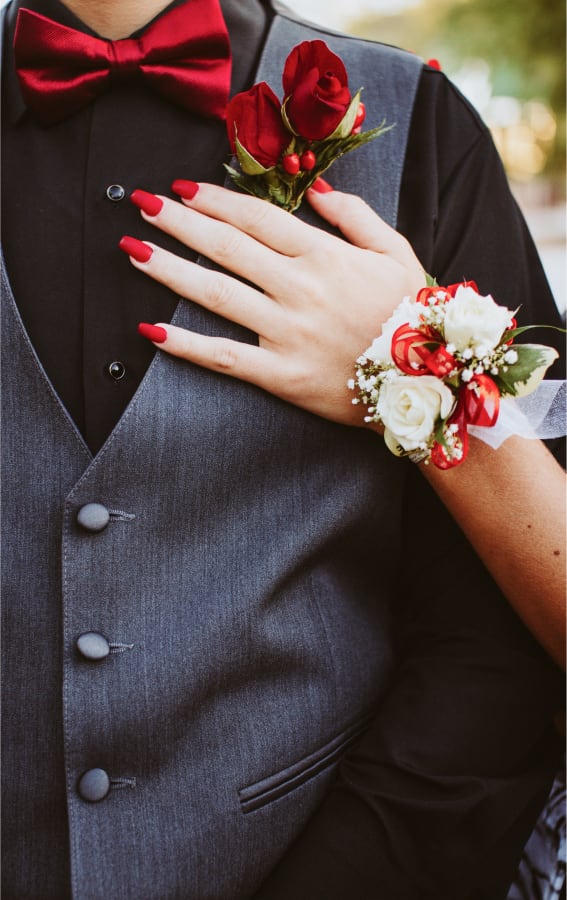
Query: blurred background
<point x="508" y="58"/>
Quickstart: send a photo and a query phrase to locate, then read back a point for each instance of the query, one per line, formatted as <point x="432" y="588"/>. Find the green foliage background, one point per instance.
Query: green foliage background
<point x="523" y="41"/>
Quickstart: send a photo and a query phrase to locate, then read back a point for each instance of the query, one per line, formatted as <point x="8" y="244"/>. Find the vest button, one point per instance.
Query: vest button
<point x="93" y="517"/>
<point x="94" y="785"/>
<point x="92" y="645"/>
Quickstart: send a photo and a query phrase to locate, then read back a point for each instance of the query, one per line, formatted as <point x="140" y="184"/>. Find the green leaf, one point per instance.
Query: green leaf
<point x="514" y="332"/>
<point x="285" y="119"/>
<point x="247" y="162"/>
<point x="342" y="146"/>
<point x="344" y="127"/>
<point x="523" y="376"/>
<point x="291" y="147"/>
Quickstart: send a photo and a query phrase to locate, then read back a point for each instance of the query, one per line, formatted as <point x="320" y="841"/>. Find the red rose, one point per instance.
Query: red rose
<point x="315" y="85"/>
<point x="255" y="117"/>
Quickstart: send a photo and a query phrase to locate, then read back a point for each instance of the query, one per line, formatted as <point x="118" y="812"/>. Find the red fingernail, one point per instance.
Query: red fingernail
<point x="135" y="248"/>
<point x="148" y="203"/>
<point x="185" y="189"/>
<point x="154" y="333"/>
<point x="321" y="186"/>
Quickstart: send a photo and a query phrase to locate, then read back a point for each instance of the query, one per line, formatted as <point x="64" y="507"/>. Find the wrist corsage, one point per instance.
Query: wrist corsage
<point x="282" y="148"/>
<point x="441" y="365"/>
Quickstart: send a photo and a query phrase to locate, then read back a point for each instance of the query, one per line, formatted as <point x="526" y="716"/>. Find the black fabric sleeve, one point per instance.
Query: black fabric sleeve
<point x="438" y="798"/>
<point x="458" y="212"/>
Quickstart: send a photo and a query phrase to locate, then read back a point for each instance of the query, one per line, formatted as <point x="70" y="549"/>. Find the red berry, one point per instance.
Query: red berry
<point x="291" y="164"/>
<point x="360" y="116"/>
<point x="308" y="160"/>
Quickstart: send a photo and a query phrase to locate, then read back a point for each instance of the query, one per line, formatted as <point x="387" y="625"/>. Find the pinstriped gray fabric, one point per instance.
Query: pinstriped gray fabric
<point x="541" y="874"/>
<point x="238" y="580"/>
<point x="42" y="458"/>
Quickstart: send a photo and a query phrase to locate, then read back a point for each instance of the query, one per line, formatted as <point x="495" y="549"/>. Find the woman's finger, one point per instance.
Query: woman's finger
<point x="223" y="243"/>
<point x="213" y="290"/>
<point x="361" y="225"/>
<point x="270" y="369"/>
<point x="263" y="221"/>
<point x="239" y="360"/>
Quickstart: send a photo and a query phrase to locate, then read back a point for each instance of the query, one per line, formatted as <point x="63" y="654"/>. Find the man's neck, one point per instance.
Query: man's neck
<point x="115" y="19"/>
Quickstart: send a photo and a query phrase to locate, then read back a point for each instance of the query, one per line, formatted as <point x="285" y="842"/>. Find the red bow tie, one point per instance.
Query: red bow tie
<point x="185" y="55"/>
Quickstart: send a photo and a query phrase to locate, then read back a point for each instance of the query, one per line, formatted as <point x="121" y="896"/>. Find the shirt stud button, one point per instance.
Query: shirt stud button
<point x="116" y="370"/>
<point x="115" y="192"/>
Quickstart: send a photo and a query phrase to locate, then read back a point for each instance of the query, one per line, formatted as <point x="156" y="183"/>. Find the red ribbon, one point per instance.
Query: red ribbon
<point x="481" y="401"/>
<point x="441" y="294"/>
<point x="441" y="456"/>
<point x="428" y="293"/>
<point x="452" y="288"/>
<point x="420" y="352"/>
<point x="184" y="54"/>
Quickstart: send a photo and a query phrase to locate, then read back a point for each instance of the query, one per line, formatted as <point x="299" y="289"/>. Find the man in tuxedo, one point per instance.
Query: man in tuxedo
<point x="211" y="598"/>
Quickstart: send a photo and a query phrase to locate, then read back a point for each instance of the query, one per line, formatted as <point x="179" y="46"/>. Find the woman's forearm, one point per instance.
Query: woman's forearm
<point x="511" y="503"/>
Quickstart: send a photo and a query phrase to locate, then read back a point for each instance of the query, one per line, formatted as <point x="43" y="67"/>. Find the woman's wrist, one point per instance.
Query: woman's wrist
<point x="441" y="366"/>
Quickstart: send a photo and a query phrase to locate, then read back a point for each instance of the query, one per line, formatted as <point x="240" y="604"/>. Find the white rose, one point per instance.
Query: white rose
<point x="472" y="320"/>
<point x="409" y="407"/>
<point x="381" y="349"/>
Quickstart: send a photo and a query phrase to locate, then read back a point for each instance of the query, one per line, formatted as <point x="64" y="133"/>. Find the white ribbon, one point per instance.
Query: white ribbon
<point x="541" y="414"/>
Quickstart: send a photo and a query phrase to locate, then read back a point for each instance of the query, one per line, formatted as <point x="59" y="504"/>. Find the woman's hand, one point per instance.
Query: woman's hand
<point x="318" y="302"/>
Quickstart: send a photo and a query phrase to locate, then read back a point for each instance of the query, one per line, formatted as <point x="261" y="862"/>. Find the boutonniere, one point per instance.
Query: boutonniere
<point x="442" y="364"/>
<point x="283" y="147"/>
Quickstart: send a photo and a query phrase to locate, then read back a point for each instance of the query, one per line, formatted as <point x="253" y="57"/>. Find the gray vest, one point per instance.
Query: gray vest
<point x="227" y="579"/>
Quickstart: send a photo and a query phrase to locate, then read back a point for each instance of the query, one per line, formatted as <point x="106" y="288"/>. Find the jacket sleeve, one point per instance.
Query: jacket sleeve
<point x="459" y="213"/>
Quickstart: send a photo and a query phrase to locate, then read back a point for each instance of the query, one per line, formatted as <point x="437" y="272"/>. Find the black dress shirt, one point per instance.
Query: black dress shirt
<point x="65" y="206"/>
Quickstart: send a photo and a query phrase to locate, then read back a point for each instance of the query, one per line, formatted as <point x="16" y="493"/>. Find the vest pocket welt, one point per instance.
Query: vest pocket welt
<point x="283" y="782"/>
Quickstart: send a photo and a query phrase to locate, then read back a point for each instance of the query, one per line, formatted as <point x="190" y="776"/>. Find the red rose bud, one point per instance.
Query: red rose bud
<point x="360" y="117"/>
<point x="308" y="160"/>
<point x="315" y="84"/>
<point x="254" y="117"/>
<point x="291" y="164"/>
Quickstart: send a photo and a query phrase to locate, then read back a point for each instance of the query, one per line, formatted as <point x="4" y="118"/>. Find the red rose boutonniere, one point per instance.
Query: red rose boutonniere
<point x="282" y="148"/>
